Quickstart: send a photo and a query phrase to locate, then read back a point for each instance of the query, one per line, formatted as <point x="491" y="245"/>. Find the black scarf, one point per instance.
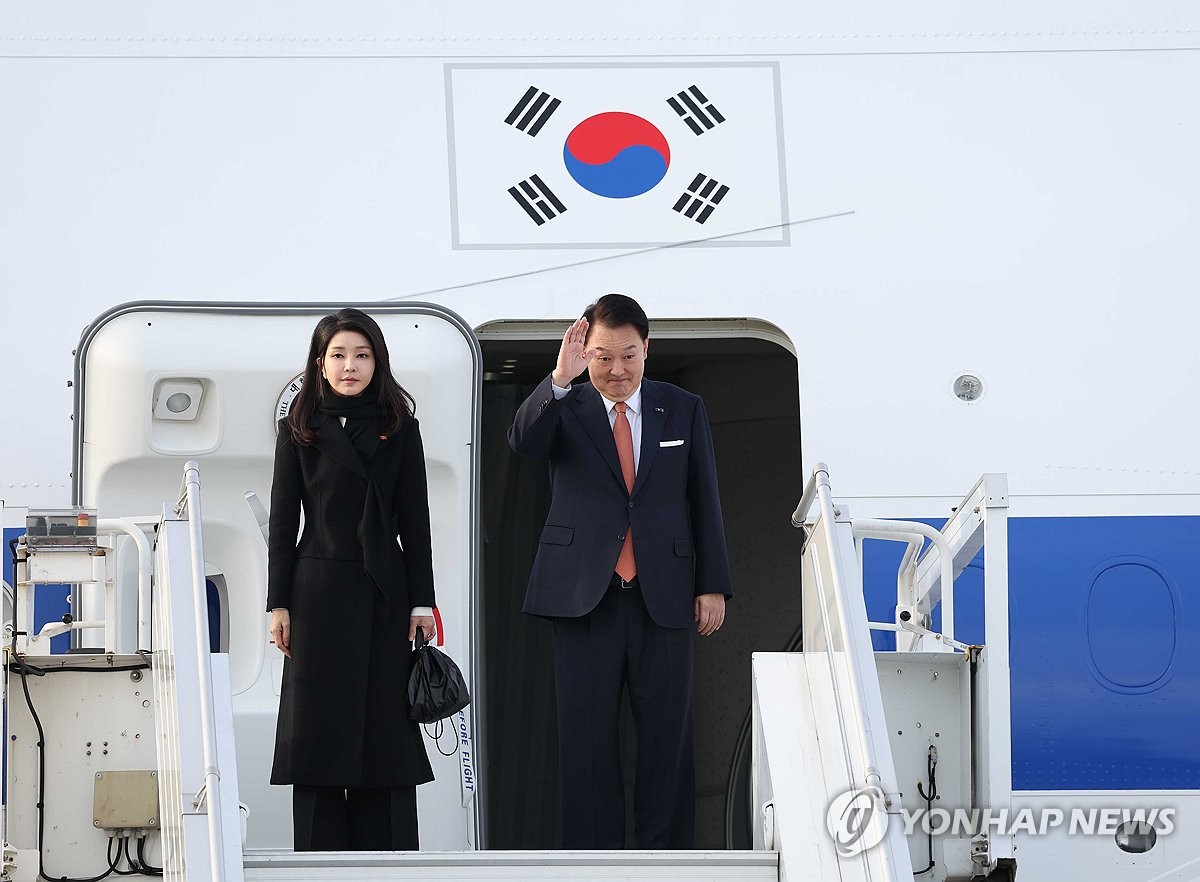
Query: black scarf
<point x="363" y="420"/>
<point x="364" y="423"/>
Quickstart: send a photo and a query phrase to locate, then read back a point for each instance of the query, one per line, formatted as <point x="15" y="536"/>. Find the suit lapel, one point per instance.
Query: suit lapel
<point x="594" y="416"/>
<point x="335" y="443"/>
<point x="654" y="420"/>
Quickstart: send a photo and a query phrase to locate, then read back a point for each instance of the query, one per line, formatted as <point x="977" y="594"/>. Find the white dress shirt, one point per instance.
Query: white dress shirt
<point x="633" y="413"/>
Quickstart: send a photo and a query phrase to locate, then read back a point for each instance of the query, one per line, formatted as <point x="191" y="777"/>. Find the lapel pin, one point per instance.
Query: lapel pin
<point x="659" y="410"/>
<point x="383" y="437"/>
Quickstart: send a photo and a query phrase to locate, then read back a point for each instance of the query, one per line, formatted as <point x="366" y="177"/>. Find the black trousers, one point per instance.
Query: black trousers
<point x="355" y="818"/>
<point x="617" y="645"/>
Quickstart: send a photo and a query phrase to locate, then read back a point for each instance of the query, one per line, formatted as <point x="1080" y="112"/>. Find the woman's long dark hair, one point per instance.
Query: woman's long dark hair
<point x="395" y="403"/>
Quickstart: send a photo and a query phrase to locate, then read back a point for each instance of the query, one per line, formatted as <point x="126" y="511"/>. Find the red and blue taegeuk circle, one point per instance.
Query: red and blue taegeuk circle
<point x="616" y="155"/>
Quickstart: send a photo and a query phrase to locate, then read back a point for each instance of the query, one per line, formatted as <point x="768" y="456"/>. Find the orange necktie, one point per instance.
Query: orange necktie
<point x="626" y="568"/>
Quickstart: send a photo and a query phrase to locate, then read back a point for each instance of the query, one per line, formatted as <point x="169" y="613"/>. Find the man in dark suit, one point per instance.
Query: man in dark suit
<point x="630" y="564"/>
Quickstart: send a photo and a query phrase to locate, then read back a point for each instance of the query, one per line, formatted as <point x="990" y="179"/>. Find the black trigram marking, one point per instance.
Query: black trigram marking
<point x="698" y="112"/>
<point x="531" y="112"/>
<point x="701" y="198"/>
<point x="537" y="199"/>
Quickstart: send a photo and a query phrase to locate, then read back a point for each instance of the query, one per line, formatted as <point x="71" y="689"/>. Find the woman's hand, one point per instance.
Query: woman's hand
<point x="425" y="623"/>
<point x="281" y="630"/>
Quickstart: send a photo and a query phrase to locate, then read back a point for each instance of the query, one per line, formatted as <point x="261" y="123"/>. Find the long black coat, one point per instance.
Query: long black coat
<point x="343" y="708"/>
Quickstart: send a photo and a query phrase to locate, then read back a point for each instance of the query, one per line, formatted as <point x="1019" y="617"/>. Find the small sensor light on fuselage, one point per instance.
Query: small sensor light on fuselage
<point x="177" y="399"/>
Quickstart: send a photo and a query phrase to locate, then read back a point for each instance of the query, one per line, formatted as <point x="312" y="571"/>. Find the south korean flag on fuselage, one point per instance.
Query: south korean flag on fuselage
<point x="616" y="155"/>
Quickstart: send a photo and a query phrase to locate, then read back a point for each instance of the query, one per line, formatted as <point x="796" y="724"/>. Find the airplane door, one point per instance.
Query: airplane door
<point x="157" y="384"/>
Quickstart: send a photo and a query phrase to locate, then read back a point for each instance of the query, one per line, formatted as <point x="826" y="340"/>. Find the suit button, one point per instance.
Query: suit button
<point x="621" y="536"/>
<point x="631" y="505"/>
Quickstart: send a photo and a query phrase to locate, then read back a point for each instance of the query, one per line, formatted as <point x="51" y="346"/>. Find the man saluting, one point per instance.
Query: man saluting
<point x="630" y="564"/>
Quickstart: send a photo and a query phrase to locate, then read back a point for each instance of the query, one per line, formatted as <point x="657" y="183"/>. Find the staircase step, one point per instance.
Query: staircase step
<point x="611" y="866"/>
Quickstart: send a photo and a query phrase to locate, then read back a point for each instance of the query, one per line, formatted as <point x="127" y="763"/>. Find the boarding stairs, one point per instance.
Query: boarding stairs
<point x="824" y="722"/>
<point x="844" y="736"/>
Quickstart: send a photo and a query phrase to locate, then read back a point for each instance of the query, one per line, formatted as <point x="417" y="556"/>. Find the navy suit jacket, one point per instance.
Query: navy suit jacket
<point x="674" y="509"/>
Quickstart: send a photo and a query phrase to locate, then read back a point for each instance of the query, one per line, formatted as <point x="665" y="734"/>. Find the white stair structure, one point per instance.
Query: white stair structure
<point x="844" y="734"/>
<point x="196" y="755"/>
<point x="610" y="866"/>
<point x="835" y="725"/>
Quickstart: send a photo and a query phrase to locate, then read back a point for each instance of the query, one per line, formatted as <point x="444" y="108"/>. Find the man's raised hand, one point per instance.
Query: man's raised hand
<point x="573" y="355"/>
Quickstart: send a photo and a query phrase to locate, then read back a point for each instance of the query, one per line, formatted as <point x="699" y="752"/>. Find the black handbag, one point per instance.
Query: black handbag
<point x="436" y="688"/>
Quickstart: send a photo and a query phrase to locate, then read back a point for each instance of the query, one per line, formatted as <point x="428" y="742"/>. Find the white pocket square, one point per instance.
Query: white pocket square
<point x="678" y="443"/>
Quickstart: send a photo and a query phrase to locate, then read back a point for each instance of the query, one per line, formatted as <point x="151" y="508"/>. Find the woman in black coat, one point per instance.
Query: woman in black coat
<point x="347" y="599"/>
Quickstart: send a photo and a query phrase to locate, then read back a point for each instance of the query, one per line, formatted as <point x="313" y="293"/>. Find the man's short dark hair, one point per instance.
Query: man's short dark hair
<point x="615" y="311"/>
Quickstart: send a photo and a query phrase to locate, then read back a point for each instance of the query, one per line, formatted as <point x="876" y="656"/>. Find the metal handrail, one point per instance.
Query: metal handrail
<point x="901" y="530"/>
<point x="189" y="509"/>
<point x="112" y="526"/>
<point x="819" y="490"/>
<point x="809" y="494"/>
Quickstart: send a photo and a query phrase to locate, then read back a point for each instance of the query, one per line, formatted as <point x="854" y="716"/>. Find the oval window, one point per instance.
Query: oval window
<point x="1136" y="837"/>
<point x="1132" y="625"/>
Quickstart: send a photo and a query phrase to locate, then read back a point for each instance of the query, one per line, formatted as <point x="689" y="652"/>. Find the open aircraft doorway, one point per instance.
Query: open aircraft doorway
<point x="747" y="374"/>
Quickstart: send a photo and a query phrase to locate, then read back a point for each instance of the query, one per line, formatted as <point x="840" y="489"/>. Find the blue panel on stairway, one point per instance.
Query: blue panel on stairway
<point x="1103" y="684"/>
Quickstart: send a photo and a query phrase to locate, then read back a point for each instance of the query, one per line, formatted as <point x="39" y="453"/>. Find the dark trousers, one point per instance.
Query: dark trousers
<point x="617" y="645"/>
<point x="355" y="818"/>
